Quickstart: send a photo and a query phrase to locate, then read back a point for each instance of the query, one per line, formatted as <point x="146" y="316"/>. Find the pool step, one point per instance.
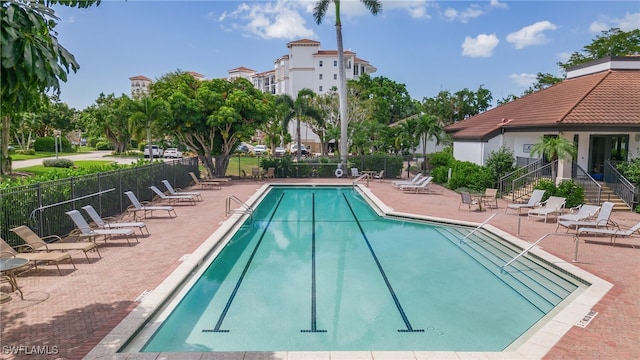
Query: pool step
<point x="529" y="276"/>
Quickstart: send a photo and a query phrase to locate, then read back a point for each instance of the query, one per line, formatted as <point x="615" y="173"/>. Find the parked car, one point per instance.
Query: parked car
<point x="280" y="151"/>
<point x="260" y="149"/>
<point x="172" y="153"/>
<point x="242" y="148"/>
<point x="303" y="150"/>
<point x="156" y="152"/>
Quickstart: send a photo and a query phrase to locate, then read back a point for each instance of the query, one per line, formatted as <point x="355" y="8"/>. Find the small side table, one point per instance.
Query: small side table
<point x="7" y="269"/>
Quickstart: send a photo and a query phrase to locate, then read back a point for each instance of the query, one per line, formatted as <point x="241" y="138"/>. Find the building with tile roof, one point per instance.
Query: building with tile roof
<point x="597" y="107"/>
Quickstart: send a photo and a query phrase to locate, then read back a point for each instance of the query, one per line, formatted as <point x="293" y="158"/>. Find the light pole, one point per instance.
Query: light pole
<point x="56" y="134"/>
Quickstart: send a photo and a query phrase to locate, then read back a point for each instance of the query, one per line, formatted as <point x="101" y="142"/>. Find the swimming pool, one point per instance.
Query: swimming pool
<point x="387" y="303"/>
<point x="133" y="333"/>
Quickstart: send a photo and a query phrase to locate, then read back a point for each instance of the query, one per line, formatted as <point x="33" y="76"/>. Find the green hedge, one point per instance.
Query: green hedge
<point x="48" y="144"/>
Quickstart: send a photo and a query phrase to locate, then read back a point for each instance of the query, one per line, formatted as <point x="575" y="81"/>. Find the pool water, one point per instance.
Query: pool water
<point x="318" y="269"/>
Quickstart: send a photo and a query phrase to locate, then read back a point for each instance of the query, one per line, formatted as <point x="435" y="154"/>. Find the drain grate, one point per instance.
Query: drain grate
<point x="587" y="319"/>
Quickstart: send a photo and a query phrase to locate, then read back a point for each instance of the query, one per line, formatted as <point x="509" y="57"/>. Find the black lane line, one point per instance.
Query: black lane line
<point x="313" y="267"/>
<point x="384" y="275"/>
<point x="244" y="271"/>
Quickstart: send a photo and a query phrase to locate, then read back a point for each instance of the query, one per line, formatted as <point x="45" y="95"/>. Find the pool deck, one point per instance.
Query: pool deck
<point x="66" y="316"/>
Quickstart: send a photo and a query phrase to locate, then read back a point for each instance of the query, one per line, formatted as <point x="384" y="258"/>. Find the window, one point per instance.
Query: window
<point x="320" y="64"/>
<point x="320" y="88"/>
<point x="335" y="62"/>
<point x="320" y="76"/>
<point x="335" y="76"/>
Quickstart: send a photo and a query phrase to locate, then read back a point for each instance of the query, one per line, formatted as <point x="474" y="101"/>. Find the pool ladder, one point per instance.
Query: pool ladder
<point x="243" y="209"/>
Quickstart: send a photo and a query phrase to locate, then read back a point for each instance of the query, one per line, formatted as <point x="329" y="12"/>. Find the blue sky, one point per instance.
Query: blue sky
<point x="427" y="45"/>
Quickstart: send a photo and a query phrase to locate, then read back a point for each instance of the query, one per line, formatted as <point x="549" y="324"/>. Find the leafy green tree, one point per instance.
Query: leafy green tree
<point x="211" y="116"/>
<point x="450" y="108"/>
<point x="554" y="148"/>
<point x="391" y="102"/>
<point x="109" y="116"/>
<point x="329" y="128"/>
<point x="32" y="58"/>
<point x="543" y="81"/>
<point x="612" y="42"/>
<point x="319" y="12"/>
<point x="301" y="108"/>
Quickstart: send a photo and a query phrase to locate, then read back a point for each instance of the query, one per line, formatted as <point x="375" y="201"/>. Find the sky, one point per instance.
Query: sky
<point x="429" y="46"/>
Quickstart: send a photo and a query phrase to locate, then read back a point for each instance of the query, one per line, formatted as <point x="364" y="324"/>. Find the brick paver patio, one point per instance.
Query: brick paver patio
<point x="66" y="316"/>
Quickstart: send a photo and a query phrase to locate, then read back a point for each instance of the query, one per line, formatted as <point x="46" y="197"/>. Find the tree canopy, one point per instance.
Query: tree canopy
<point x="211" y="116"/>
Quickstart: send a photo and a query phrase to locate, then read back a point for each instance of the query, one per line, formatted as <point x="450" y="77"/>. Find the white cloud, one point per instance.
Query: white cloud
<point x="498" y="4"/>
<point x="471" y="12"/>
<point x="480" y="46"/>
<point x="523" y="79"/>
<point x="270" y="20"/>
<point x="417" y="9"/>
<point x="627" y="23"/>
<point x="531" y="35"/>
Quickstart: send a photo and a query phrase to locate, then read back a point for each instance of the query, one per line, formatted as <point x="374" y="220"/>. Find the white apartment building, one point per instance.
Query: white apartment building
<point x="304" y="66"/>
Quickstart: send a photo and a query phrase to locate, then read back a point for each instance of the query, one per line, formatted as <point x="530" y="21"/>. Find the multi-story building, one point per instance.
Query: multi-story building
<point x="304" y="66"/>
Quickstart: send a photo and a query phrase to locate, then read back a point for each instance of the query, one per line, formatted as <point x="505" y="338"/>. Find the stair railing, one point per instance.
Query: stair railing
<point x="525" y="251"/>
<point x="592" y="190"/>
<point x="505" y="182"/>
<point x="243" y="209"/>
<point x="524" y="184"/>
<point x="477" y="228"/>
<point x="620" y="185"/>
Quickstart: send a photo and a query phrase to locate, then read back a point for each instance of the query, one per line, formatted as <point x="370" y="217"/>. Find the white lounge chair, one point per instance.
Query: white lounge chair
<point x="584" y="212"/>
<point x="172" y="199"/>
<point x="355" y="173"/>
<point x="380" y="176"/>
<point x="552" y="206"/>
<point x="88" y="232"/>
<point x="602" y="220"/>
<point x="103" y="224"/>
<point x="173" y="191"/>
<point x="422" y="185"/>
<point x="137" y="206"/>
<point x="613" y="233"/>
<point x="413" y="181"/>
<point x="534" y="200"/>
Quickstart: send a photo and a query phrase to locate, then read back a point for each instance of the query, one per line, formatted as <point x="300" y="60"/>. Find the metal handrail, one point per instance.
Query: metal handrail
<point x="593" y="190"/>
<point x="363" y="176"/>
<point x="523" y="252"/>
<point x="507" y="178"/>
<point x="32" y="215"/>
<point x="246" y="208"/>
<point x="524" y="184"/>
<point x="477" y="228"/>
<point x="619" y="184"/>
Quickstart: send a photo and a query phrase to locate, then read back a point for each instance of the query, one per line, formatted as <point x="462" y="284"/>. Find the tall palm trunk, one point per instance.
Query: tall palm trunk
<point x="342" y="91"/>
<point x="5" y="162"/>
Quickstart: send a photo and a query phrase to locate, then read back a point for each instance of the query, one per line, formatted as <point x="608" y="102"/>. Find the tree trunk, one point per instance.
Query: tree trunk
<point x="342" y="91"/>
<point x="5" y="159"/>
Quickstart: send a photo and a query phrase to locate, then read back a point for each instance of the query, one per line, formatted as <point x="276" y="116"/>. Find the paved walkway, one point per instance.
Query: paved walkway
<point x="68" y="315"/>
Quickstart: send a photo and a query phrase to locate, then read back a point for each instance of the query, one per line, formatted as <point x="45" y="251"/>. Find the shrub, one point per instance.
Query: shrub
<point x="572" y="192"/>
<point x="26" y="152"/>
<point x="104" y="145"/>
<point x="58" y="163"/>
<point x="48" y="144"/>
<point x="500" y="162"/>
<point x="470" y="175"/>
<point x="442" y="158"/>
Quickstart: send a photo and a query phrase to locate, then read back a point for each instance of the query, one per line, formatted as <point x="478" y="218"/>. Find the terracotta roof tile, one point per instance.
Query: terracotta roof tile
<point x="140" y="77"/>
<point x="600" y="99"/>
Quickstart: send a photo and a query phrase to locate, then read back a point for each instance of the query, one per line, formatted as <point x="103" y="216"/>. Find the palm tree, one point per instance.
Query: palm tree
<point x="299" y="108"/>
<point x="146" y="111"/>
<point x="428" y="127"/>
<point x="554" y="148"/>
<point x="319" y="11"/>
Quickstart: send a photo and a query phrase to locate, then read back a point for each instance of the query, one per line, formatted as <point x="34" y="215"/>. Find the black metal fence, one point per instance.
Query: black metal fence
<point x="42" y="206"/>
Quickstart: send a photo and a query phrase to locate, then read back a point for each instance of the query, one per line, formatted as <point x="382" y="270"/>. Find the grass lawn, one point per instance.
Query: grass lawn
<point x="245" y="163"/>
<point x="41" y="169"/>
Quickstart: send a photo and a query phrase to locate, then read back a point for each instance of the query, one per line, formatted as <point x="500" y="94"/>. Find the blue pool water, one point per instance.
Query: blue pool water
<point x="318" y="269"/>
